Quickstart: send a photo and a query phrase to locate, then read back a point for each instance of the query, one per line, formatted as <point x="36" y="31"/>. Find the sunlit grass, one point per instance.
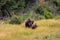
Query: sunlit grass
<point x="46" y="30"/>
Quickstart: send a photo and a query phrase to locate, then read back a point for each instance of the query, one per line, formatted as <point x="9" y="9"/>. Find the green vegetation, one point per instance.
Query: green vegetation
<point x="29" y="9"/>
<point x="57" y="17"/>
<point x="46" y="15"/>
<point x="17" y="11"/>
<point x="15" y="20"/>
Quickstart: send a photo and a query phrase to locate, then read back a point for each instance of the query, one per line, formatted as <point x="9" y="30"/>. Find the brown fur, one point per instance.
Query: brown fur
<point x="29" y="23"/>
<point x="34" y="26"/>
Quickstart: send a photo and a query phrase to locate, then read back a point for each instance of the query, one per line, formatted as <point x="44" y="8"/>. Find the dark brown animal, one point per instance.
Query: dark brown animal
<point x="34" y="26"/>
<point x="29" y="23"/>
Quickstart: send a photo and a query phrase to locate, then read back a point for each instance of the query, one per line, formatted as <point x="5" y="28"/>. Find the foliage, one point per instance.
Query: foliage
<point x="48" y="15"/>
<point x="41" y="17"/>
<point x="15" y="20"/>
<point x="56" y="2"/>
<point x="39" y="10"/>
<point x="57" y="17"/>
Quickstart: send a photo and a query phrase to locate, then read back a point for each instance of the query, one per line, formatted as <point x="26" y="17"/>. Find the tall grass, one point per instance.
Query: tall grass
<point x="44" y="31"/>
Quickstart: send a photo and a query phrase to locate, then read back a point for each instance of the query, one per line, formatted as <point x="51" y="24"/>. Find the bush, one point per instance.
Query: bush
<point x="41" y="17"/>
<point x="38" y="17"/>
<point x="15" y="20"/>
<point x="48" y="15"/>
<point x="39" y="10"/>
<point x="57" y="17"/>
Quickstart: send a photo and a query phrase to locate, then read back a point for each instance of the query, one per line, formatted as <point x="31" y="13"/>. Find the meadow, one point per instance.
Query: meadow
<point x="47" y="30"/>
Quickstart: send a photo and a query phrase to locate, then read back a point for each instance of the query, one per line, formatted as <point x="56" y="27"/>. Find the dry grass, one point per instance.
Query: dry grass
<point x="46" y="30"/>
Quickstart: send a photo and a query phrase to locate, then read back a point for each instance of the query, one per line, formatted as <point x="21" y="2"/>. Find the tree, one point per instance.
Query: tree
<point x="8" y="5"/>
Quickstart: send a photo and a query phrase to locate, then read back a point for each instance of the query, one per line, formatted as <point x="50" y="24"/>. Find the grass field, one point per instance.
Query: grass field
<point x="46" y="30"/>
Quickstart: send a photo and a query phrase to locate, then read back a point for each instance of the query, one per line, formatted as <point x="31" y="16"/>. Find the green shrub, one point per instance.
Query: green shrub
<point x="48" y="15"/>
<point x="15" y="20"/>
<point x="41" y="17"/>
<point x="24" y="17"/>
<point x="39" y="10"/>
<point x="57" y="17"/>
